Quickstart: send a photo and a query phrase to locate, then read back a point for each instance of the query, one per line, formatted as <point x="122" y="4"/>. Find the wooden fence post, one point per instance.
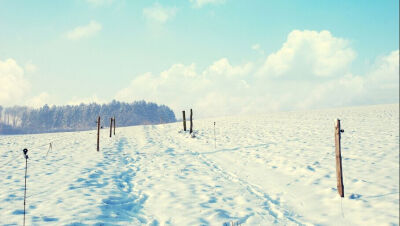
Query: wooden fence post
<point x="184" y="121"/>
<point x="339" y="173"/>
<point x="111" y="125"/>
<point x="98" y="133"/>
<point x="191" y="121"/>
<point x="114" y="125"/>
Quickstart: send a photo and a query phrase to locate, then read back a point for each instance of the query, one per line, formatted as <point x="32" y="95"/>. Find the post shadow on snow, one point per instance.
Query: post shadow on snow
<point x="170" y="151"/>
<point x="237" y="148"/>
<point x="382" y="195"/>
<point x="361" y="197"/>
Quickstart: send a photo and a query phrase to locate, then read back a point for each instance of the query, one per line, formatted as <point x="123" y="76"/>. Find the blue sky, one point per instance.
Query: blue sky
<point x="219" y="56"/>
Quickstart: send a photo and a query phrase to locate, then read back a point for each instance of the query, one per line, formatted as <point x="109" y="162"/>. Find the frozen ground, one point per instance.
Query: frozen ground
<point x="265" y="169"/>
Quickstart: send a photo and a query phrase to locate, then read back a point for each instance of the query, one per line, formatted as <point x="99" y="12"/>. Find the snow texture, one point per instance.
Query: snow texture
<point x="265" y="169"/>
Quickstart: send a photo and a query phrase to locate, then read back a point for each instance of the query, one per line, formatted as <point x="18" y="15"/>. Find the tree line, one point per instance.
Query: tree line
<point x="21" y="120"/>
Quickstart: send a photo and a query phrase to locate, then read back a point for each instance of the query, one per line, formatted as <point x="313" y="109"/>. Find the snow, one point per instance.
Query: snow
<point x="276" y="168"/>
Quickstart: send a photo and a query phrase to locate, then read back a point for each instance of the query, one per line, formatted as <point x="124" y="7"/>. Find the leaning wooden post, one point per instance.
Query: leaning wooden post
<point x="339" y="173"/>
<point x="184" y="120"/>
<point x="191" y="121"/>
<point x="111" y="125"/>
<point x="98" y="133"/>
<point x="114" y="125"/>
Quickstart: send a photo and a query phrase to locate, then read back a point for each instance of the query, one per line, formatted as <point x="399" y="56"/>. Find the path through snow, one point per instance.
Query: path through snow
<point x="266" y="169"/>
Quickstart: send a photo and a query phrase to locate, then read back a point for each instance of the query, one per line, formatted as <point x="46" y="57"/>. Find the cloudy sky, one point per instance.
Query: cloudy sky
<point x="219" y="57"/>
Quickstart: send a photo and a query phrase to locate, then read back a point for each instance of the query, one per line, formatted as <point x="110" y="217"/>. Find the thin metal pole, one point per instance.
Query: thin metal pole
<point x="26" y="172"/>
<point x="215" y="138"/>
<point x="50" y="148"/>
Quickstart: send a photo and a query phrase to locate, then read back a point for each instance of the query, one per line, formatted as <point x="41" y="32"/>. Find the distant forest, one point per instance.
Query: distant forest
<point x="22" y="120"/>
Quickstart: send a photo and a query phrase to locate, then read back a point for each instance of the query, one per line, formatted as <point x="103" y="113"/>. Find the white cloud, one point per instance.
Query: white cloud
<point x="311" y="70"/>
<point x="39" y="100"/>
<point x="30" y="67"/>
<point x="182" y="86"/>
<point x="257" y="47"/>
<point x="338" y="92"/>
<point x="224" y="68"/>
<point x="382" y="82"/>
<point x="201" y="3"/>
<point x="86" y="100"/>
<point x="84" y="31"/>
<point x="378" y="86"/>
<point x="309" y="53"/>
<point x="159" y="14"/>
<point x="13" y="83"/>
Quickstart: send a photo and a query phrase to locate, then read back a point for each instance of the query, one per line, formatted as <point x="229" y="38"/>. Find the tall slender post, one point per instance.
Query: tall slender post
<point x="215" y="138"/>
<point x="339" y="173"/>
<point x="26" y="172"/>
<point x="184" y="120"/>
<point x="111" y="126"/>
<point x="98" y="133"/>
<point x="191" y="121"/>
<point x="50" y="148"/>
<point x="114" y="125"/>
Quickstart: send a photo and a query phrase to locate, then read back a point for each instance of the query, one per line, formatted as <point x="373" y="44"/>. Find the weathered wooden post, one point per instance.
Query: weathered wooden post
<point x="191" y="121"/>
<point x="111" y="126"/>
<point x="339" y="173"/>
<point x="98" y="133"/>
<point x="114" y="125"/>
<point x="184" y="120"/>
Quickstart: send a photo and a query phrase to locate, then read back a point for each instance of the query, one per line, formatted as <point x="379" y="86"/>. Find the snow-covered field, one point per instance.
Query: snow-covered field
<point x="265" y="169"/>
